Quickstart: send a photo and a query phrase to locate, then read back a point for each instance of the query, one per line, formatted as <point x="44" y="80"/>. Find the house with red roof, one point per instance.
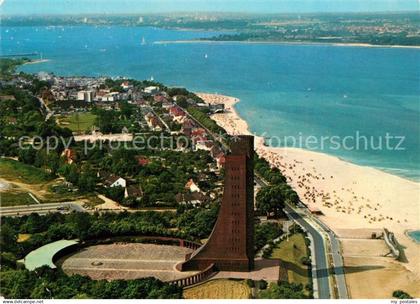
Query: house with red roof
<point x="205" y="144"/>
<point x="192" y="186"/>
<point x="177" y="113"/>
<point x="220" y="160"/>
<point x="142" y="160"/>
<point x="198" y="132"/>
<point x="126" y="85"/>
<point x="159" y="98"/>
<point x="187" y="126"/>
<point x="69" y="155"/>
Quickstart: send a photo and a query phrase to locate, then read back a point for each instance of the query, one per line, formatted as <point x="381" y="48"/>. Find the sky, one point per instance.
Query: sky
<point x="50" y="7"/>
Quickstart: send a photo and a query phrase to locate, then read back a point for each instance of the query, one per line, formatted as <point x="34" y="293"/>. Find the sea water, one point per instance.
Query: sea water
<point x="415" y="235"/>
<point x="299" y="91"/>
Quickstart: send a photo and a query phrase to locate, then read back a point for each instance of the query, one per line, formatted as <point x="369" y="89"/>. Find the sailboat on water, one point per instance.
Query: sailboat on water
<point x="143" y="41"/>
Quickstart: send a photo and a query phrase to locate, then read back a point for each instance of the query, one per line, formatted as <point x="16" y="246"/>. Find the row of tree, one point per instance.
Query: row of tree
<point x="47" y="283"/>
<point x="283" y="290"/>
<point x="193" y="224"/>
<point x="271" y="199"/>
<point x="203" y="117"/>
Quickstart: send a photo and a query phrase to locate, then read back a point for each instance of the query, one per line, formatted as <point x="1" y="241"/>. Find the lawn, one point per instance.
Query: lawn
<point x="24" y="178"/>
<point x="17" y="171"/>
<point x="219" y="289"/>
<point x="291" y="252"/>
<point x="8" y="199"/>
<point x="78" y="122"/>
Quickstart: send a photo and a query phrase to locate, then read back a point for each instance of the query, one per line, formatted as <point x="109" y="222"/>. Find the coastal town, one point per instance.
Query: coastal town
<point x="227" y="150"/>
<point x="179" y="179"/>
<point x="167" y="191"/>
<point x="153" y="111"/>
<point x="379" y="28"/>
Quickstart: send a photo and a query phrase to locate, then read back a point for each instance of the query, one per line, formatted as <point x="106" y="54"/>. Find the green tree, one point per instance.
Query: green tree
<point x="81" y="223"/>
<point x="17" y="284"/>
<point x="70" y="173"/>
<point x="8" y="238"/>
<point x="266" y="232"/>
<point x="115" y="193"/>
<point x="87" y="180"/>
<point x="270" y="199"/>
<point x="8" y="259"/>
<point x="283" y="290"/>
<point x="399" y="294"/>
<point x="27" y="156"/>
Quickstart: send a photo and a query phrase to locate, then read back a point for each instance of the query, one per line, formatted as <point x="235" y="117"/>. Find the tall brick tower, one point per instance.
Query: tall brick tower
<point x="231" y="244"/>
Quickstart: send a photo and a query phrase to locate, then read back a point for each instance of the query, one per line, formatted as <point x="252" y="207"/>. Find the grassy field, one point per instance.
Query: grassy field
<point x="291" y="252"/>
<point x="17" y="171"/>
<point x="78" y="122"/>
<point x="15" y="198"/>
<point x="219" y="289"/>
<point x="21" y="179"/>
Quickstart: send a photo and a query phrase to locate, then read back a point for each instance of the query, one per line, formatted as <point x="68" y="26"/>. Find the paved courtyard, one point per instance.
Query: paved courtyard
<point x="265" y="269"/>
<point x="127" y="261"/>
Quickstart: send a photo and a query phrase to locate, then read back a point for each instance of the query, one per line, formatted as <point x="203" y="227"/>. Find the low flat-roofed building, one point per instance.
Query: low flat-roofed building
<point x="315" y="210"/>
<point x="151" y="90"/>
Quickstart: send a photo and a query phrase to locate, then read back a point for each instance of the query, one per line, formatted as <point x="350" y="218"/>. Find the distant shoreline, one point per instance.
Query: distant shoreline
<point x="37" y="61"/>
<point x="366" y="45"/>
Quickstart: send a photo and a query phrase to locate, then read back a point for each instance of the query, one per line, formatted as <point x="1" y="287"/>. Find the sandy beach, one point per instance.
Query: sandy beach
<point x="352" y="198"/>
<point x="37" y="61"/>
<point x="350" y="44"/>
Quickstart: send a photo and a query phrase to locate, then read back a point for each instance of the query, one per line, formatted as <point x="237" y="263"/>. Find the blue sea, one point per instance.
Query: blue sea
<point x="415" y="235"/>
<point x="304" y="91"/>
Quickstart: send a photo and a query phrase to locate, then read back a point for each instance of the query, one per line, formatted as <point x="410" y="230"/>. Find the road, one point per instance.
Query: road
<point x="49" y="113"/>
<point x="320" y="254"/>
<point x="337" y="257"/>
<point x="41" y="209"/>
<point x="321" y="261"/>
<point x="160" y="118"/>
<point x="218" y="138"/>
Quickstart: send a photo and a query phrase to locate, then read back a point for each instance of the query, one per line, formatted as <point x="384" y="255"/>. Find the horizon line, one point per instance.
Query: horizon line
<point x="211" y="12"/>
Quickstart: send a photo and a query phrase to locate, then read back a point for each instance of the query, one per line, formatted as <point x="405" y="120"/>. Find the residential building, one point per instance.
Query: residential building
<point x="204" y="144"/>
<point x="151" y="90"/>
<point x="126" y="85"/>
<point x="87" y="96"/>
<point x="195" y="198"/>
<point x="115" y="181"/>
<point x="192" y="186"/>
<point x="133" y="191"/>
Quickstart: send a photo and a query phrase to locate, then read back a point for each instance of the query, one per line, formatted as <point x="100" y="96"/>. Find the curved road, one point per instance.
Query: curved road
<point x="319" y="254"/>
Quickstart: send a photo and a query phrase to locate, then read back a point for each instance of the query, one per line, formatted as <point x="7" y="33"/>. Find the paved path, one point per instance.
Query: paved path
<point x="161" y="120"/>
<point x="49" y="113"/>
<point x="41" y="209"/>
<point x="218" y="138"/>
<point x="265" y="269"/>
<point x="34" y="198"/>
